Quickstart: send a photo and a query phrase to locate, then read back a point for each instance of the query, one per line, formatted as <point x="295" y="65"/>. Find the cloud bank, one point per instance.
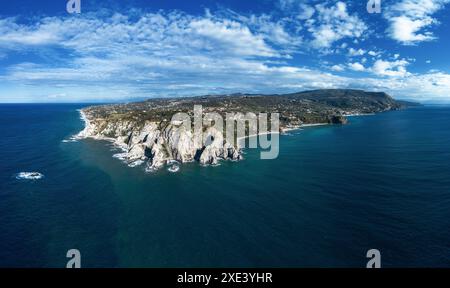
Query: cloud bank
<point x="111" y="56"/>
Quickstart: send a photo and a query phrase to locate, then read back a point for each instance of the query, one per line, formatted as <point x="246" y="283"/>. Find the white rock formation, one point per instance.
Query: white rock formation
<point x="158" y="144"/>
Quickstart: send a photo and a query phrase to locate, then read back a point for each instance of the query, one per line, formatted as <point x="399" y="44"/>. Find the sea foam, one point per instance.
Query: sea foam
<point x="29" y="176"/>
<point x="174" y="168"/>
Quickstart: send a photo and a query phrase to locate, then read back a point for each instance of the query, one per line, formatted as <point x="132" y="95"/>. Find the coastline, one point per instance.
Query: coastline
<point x="284" y="130"/>
<point x="89" y="131"/>
<point x="84" y="134"/>
<point x="362" y="114"/>
<point x="314" y="124"/>
<point x="303" y="126"/>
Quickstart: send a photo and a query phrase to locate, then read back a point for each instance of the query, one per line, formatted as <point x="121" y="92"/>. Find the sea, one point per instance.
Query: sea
<point x="381" y="182"/>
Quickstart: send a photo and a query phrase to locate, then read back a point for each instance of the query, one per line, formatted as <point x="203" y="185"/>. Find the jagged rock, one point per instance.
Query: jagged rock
<point x="158" y="144"/>
<point x="231" y="152"/>
<point x="217" y="148"/>
<point x="180" y="142"/>
<point x="143" y="130"/>
<point x="337" y="119"/>
<point x="122" y="140"/>
<point x="148" y="133"/>
<point x="158" y="156"/>
<point x="209" y="156"/>
<point x="137" y="152"/>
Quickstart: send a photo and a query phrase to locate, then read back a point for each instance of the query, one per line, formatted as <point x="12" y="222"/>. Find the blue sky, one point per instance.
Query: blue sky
<point x="118" y="52"/>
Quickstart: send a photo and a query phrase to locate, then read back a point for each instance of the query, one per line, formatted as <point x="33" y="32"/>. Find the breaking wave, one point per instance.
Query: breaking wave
<point x="29" y="176"/>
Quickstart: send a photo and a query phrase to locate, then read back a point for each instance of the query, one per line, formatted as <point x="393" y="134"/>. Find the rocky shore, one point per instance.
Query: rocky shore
<point x="160" y="145"/>
<point x="147" y="134"/>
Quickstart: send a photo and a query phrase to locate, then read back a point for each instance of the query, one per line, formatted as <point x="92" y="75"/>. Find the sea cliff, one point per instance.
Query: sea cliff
<point x="147" y="133"/>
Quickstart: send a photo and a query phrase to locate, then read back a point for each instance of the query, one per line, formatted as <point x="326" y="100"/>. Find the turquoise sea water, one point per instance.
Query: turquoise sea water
<point x="334" y="192"/>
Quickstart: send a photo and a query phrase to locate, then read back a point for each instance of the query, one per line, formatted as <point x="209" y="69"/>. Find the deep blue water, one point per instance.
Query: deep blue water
<point x="334" y="192"/>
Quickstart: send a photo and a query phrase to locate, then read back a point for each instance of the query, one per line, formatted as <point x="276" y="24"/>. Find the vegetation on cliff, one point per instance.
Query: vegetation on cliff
<point x="148" y="134"/>
<point x="310" y="107"/>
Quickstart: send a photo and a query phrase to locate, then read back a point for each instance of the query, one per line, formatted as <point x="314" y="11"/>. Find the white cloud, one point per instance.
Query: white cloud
<point x="42" y="34"/>
<point x="433" y="86"/>
<point x="161" y="54"/>
<point x="334" y="23"/>
<point x="410" y="20"/>
<point x="391" y="68"/>
<point x="353" y="52"/>
<point x="230" y="34"/>
<point x="326" y="22"/>
<point x="306" y="12"/>
<point x="338" y="68"/>
<point x="356" y="66"/>
<point x="405" y="30"/>
<point x="287" y="4"/>
<point x="151" y="32"/>
<point x="273" y="31"/>
<point x="154" y="54"/>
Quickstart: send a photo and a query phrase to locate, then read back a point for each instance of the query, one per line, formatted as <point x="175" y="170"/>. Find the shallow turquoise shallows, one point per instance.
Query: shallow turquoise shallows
<point x="335" y="192"/>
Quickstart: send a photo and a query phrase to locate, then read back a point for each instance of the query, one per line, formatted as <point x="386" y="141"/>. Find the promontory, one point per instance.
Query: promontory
<point x="148" y="135"/>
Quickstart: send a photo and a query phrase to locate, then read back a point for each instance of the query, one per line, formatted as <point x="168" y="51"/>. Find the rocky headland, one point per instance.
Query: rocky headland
<point x="148" y="135"/>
